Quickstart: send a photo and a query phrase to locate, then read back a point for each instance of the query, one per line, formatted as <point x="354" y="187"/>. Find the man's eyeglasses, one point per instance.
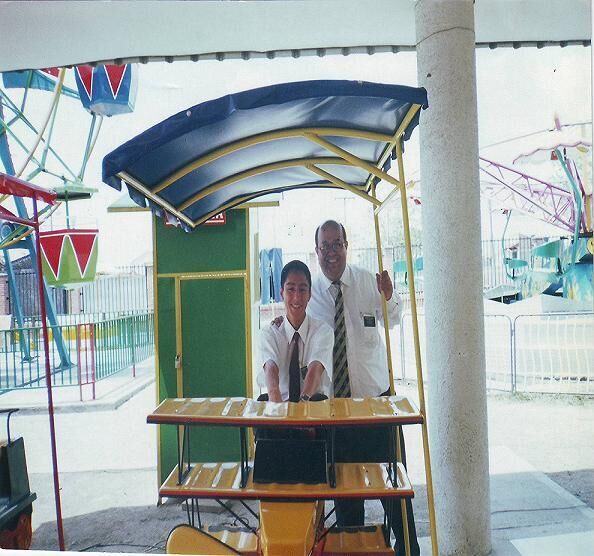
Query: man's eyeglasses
<point x="335" y="246"/>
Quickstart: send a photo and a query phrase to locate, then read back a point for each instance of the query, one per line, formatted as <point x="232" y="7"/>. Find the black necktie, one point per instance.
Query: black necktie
<point x="340" y="369"/>
<point x="294" y="375"/>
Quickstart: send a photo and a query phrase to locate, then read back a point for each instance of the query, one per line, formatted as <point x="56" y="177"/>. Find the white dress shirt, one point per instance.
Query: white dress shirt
<point x="316" y="340"/>
<point x="366" y="350"/>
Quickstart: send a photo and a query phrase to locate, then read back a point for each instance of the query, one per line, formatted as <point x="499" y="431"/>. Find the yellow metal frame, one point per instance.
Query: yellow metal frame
<point x="375" y="171"/>
<point x="415" y="325"/>
<point x="255" y="171"/>
<point x="312" y="134"/>
<point x="264" y="138"/>
<point x="368" y="193"/>
<point x="244" y="201"/>
<point x="156" y="336"/>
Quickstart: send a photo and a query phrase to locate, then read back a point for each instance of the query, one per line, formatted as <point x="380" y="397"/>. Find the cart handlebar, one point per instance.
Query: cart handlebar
<point x="9" y="412"/>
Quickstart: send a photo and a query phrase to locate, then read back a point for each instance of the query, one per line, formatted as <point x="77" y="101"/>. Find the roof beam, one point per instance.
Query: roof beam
<point x="354" y="160"/>
<point x="263" y="138"/>
<point x="257" y="170"/>
<point x="342" y="184"/>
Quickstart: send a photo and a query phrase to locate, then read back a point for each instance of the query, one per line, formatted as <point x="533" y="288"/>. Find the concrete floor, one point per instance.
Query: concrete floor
<point x="541" y="455"/>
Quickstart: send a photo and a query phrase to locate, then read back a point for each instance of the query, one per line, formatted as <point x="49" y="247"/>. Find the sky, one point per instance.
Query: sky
<point x="519" y="93"/>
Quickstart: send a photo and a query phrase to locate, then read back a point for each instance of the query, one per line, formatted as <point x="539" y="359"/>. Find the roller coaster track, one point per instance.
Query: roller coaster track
<point x="516" y="190"/>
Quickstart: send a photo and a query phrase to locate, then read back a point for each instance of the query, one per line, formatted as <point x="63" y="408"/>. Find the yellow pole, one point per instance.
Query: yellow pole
<point x="179" y="373"/>
<point x="380" y="263"/>
<point x="156" y="340"/>
<point x="415" y="325"/>
<point x="247" y="297"/>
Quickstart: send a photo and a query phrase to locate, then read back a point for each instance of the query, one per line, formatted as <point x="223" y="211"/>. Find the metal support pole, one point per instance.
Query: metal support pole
<point x="514" y="355"/>
<point x="92" y="348"/>
<point x="578" y="204"/>
<point x="48" y="378"/>
<point x="17" y="307"/>
<point x="380" y="262"/>
<point x="65" y="362"/>
<point x="78" y="360"/>
<point x="415" y="327"/>
<point x="133" y="345"/>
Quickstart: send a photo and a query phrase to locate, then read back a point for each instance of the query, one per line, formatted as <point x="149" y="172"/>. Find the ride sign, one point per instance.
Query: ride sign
<point x="217" y="220"/>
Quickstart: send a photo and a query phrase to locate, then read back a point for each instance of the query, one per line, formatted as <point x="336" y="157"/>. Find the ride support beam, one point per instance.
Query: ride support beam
<point x="455" y="354"/>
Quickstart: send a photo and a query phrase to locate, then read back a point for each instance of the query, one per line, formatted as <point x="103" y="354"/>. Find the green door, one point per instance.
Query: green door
<point x="202" y="286"/>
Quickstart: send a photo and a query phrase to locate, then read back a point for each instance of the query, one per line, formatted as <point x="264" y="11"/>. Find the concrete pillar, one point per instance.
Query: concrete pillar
<point x="457" y="405"/>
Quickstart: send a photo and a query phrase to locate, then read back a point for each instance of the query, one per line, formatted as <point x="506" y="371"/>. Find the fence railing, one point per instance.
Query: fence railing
<point x="83" y="318"/>
<point x="128" y="288"/>
<point x="546" y="353"/>
<point x="95" y="350"/>
<point x="493" y="255"/>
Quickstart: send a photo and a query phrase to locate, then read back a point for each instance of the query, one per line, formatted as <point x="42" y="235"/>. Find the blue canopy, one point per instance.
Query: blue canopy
<point x="224" y="152"/>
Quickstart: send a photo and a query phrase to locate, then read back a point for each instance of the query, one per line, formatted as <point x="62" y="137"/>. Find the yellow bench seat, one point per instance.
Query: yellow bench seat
<point x="222" y="481"/>
<point x="246" y="412"/>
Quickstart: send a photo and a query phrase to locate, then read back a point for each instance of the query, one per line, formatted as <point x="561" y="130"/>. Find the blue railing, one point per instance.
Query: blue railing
<point x="96" y="350"/>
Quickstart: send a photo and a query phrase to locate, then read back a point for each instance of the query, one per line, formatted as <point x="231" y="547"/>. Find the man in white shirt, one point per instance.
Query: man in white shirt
<point x="312" y="338"/>
<point x="349" y="299"/>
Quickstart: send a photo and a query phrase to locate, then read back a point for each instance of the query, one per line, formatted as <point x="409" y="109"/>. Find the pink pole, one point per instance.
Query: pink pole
<point x="92" y="340"/>
<point x="78" y="362"/>
<point x="48" y="379"/>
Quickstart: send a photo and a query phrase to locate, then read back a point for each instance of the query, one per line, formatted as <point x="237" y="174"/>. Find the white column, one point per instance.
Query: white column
<point x="457" y="404"/>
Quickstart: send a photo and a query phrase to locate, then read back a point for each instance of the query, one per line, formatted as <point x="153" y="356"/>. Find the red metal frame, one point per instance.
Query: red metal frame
<point x="13" y="186"/>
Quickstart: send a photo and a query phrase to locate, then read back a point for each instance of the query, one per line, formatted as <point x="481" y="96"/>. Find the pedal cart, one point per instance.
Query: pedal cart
<point x="225" y="154"/>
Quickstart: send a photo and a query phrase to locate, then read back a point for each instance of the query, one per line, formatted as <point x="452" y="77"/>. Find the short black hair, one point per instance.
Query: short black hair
<point x="332" y="224"/>
<point x="295" y="266"/>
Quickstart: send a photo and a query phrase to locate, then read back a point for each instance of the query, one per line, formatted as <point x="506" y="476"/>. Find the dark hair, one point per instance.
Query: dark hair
<point x="331" y="224"/>
<point x="295" y="266"/>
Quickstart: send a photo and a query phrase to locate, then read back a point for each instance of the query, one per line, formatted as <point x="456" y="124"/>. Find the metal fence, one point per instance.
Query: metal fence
<point x="130" y="289"/>
<point x="547" y="353"/>
<point x="96" y="350"/>
<point x="493" y="256"/>
<point x="494" y="270"/>
<point x="127" y="289"/>
<point x="26" y="288"/>
<point x="82" y="318"/>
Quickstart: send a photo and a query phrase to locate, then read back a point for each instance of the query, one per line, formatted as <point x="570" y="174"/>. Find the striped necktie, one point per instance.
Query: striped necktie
<point x="294" y="376"/>
<point x="340" y="370"/>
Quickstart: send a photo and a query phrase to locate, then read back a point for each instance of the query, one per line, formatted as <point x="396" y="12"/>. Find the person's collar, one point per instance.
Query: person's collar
<point x="290" y="331"/>
<point x="346" y="277"/>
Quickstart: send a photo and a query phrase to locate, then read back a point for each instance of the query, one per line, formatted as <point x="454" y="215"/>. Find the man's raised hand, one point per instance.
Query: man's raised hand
<point x="384" y="284"/>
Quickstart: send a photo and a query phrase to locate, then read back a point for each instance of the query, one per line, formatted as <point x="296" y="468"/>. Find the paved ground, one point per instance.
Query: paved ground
<point x="541" y="454"/>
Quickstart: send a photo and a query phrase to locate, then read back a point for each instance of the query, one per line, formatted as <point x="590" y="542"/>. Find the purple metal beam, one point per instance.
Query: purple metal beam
<point x="48" y="378"/>
<point x="516" y="190"/>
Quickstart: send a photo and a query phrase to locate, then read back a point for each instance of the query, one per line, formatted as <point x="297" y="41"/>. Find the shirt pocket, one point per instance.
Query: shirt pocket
<point x="369" y="331"/>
